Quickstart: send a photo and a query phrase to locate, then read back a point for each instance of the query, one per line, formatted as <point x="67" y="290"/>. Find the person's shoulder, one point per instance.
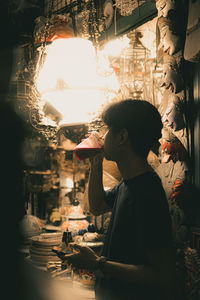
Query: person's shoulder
<point x="149" y="185"/>
<point x="150" y="177"/>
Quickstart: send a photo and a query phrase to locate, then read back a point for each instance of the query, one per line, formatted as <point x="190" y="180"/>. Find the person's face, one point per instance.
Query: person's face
<point x="110" y="149"/>
<point x="116" y="144"/>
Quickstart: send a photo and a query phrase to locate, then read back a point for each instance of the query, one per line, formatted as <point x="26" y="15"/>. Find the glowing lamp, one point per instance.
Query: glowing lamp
<point x="69" y="80"/>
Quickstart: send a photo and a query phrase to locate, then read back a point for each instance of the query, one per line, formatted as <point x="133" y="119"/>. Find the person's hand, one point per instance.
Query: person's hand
<point x="97" y="160"/>
<point x="83" y="258"/>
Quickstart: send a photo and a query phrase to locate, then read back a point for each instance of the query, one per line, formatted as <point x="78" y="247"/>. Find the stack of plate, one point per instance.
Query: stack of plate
<point x="41" y="247"/>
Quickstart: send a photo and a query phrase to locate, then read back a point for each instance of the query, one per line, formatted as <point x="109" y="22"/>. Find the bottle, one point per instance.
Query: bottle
<point x="66" y="239"/>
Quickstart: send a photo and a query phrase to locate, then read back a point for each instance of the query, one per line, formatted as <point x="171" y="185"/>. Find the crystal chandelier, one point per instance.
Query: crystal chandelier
<point x="134" y="68"/>
<point x="69" y="80"/>
<point x="127" y="6"/>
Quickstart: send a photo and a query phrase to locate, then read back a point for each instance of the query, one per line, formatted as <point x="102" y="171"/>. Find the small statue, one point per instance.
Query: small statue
<point x="174" y="115"/>
<point x="164" y="6"/>
<point x="169" y="38"/>
<point x="172" y="147"/>
<point x="172" y="77"/>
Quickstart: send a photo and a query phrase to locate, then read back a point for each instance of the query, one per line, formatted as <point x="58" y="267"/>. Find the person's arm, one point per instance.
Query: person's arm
<point x="160" y="273"/>
<point x="96" y="194"/>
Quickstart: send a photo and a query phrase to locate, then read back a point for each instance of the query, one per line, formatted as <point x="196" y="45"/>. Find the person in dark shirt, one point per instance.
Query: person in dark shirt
<point x="138" y="258"/>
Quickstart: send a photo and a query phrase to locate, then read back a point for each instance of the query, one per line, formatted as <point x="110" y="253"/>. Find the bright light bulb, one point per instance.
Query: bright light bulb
<point x="77" y="105"/>
<point x="72" y="60"/>
<point x="69" y="79"/>
<point x="114" y="47"/>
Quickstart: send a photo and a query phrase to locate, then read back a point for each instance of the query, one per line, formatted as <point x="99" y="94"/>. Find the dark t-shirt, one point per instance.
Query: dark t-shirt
<point x="140" y="219"/>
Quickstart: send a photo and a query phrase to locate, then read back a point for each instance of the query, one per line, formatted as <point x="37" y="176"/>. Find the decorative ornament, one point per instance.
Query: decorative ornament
<point x="169" y="38"/>
<point x="177" y="189"/>
<point x="174" y="115"/>
<point x="84" y="15"/>
<point x="127" y="6"/>
<point x="48" y="30"/>
<point x="165" y="6"/>
<point x="172" y="147"/>
<point x="172" y="77"/>
<point x="108" y="13"/>
<point x="133" y="66"/>
<point x="76" y="220"/>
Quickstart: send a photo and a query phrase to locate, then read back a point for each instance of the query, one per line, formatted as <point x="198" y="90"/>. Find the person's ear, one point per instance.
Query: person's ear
<point x="122" y="136"/>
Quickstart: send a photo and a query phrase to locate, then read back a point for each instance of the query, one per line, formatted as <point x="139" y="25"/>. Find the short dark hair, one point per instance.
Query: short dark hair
<point x="140" y="118"/>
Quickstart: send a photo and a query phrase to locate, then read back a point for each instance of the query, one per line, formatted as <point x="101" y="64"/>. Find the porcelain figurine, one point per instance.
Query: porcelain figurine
<point x="177" y="189"/>
<point x="172" y="77"/>
<point x="164" y="6"/>
<point x="170" y="172"/>
<point x="169" y="39"/>
<point x="174" y="115"/>
<point x="172" y="147"/>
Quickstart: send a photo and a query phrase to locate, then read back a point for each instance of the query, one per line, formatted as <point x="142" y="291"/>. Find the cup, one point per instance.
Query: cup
<point x="89" y="147"/>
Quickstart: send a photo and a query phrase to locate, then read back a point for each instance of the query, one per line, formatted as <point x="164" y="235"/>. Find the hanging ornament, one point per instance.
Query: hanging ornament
<point x="84" y="17"/>
<point x="108" y="13"/>
<point x="126" y="7"/>
<point x="94" y="28"/>
<point x="174" y="115"/>
<point x="48" y="30"/>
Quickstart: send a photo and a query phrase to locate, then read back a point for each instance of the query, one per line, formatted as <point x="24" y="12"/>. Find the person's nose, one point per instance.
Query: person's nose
<point x="104" y="136"/>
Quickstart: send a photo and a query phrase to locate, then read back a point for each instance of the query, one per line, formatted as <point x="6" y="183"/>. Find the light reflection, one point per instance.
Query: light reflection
<point x="76" y="105"/>
<point x="71" y="81"/>
<point x="114" y="47"/>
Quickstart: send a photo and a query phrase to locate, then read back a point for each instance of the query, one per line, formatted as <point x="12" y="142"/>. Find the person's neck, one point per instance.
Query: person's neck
<point x="132" y="165"/>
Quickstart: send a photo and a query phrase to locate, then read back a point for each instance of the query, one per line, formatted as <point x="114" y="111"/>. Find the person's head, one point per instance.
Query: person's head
<point x="138" y="122"/>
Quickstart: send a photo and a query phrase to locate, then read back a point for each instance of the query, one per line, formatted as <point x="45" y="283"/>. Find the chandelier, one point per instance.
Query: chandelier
<point x="134" y="71"/>
<point x="127" y="6"/>
<point x="70" y="82"/>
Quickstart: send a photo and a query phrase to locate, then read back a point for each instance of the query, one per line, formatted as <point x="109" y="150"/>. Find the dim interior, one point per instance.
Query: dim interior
<point x="59" y="87"/>
<point x="125" y="67"/>
<point x="71" y="88"/>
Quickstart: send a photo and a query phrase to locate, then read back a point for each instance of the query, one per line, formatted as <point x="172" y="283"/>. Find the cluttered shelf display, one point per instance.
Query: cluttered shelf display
<point x="43" y="244"/>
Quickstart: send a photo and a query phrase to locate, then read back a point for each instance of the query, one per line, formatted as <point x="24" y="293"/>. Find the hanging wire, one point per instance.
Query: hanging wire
<point x="46" y="32"/>
<point x="115" y="20"/>
<point x="71" y="9"/>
